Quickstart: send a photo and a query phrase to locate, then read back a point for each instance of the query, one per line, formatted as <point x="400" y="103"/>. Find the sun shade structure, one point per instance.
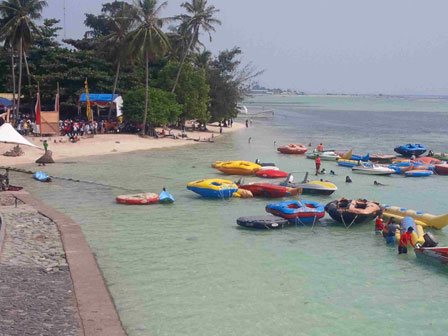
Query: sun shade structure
<point x="102" y="100"/>
<point x="9" y="135"/>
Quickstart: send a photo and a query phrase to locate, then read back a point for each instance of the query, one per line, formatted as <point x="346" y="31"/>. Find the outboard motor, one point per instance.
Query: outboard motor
<point x="430" y="240"/>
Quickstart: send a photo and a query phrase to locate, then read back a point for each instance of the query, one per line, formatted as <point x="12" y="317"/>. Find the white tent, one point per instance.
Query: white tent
<point x="9" y="135"/>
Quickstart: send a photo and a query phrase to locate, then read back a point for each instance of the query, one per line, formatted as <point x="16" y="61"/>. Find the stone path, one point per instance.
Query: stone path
<point x="36" y="289"/>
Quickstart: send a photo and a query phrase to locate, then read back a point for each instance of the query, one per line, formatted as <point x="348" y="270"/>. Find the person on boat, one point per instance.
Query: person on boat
<point x="389" y="231"/>
<point x="332" y="172"/>
<point x="348" y="179"/>
<point x="317" y="162"/>
<point x="377" y="183"/>
<point x="320" y="147"/>
<point x="405" y="239"/>
<point x="379" y="225"/>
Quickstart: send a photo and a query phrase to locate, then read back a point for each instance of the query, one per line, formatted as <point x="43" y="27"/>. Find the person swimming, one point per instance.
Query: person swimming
<point x="377" y="183"/>
<point x="332" y="172"/>
<point x="348" y="179"/>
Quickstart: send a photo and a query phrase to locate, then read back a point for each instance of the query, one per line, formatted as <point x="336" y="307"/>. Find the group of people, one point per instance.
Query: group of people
<point x="389" y="230"/>
<point x="26" y="126"/>
<point x="79" y="128"/>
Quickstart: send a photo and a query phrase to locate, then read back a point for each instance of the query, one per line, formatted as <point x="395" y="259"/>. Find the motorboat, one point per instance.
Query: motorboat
<point x="263" y="222"/>
<point x="292" y="149"/>
<point x="271" y="173"/>
<point x="352" y="211"/>
<point x="410" y="150"/>
<point x="310" y="187"/>
<point x="138" y="199"/>
<point x="306" y="212"/>
<point x="372" y="169"/>
<point x="213" y="188"/>
<point x="325" y="155"/>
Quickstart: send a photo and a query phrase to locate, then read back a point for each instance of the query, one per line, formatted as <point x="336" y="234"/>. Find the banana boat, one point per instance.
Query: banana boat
<point x="426" y="220"/>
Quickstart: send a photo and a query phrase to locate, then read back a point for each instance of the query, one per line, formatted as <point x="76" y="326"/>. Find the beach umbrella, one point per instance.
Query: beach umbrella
<point x="9" y="135"/>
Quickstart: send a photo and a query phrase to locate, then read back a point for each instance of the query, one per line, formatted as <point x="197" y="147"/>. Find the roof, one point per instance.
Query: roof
<point x="97" y="97"/>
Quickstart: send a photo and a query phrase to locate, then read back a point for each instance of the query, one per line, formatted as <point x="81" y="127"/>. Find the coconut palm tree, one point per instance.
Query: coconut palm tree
<point x="198" y="17"/>
<point x="148" y="39"/>
<point x="18" y="24"/>
<point x="116" y="43"/>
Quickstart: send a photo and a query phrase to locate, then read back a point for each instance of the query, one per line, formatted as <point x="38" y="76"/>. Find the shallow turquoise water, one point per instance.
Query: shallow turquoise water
<point x="188" y="269"/>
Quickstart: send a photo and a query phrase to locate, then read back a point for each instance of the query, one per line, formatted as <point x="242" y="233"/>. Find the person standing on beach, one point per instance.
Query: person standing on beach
<point x="247" y="123"/>
<point x="317" y="162"/>
<point x="406" y="238"/>
<point x="45" y="145"/>
<point x="220" y="129"/>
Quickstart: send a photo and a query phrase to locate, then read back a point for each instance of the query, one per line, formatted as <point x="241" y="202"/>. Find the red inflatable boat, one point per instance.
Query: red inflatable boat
<point x="271" y="173"/>
<point x="269" y="190"/>
<point x="146" y="198"/>
<point x="293" y="149"/>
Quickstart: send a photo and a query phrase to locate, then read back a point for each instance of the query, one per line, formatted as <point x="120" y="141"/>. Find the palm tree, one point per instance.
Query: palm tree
<point x="148" y="39"/>
<point x="18" y="16"/>
<point x="116" y="43"/>
<point x="199" y="16"/>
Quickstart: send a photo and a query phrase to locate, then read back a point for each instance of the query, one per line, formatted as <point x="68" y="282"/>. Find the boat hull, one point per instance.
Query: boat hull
<point x="138" y="199"/>
<point x="370" y="171"/>
<point x="441" y="169"/>
<point x="347" y="217"/>
<point x="433" y="254"/>
<point x="263" y="222"/>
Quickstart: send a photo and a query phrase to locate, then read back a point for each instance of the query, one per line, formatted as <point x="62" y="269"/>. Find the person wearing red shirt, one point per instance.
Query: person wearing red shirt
<point x="320" y="147"/>
<point x="379" y="226"/>
<point x="405" y="239"/>
<point x="317" y="161"/>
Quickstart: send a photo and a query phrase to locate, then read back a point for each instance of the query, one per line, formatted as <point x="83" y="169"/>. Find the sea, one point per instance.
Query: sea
<point x="188" y="269"/>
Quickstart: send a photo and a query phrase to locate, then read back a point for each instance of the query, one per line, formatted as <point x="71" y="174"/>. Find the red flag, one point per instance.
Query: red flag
<point x="37" y="109"/>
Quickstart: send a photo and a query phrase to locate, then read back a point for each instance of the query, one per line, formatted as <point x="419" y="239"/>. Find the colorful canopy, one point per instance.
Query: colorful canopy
<point x="103" y="100"/>
<point x="5" y="102"/>
<point x="9" y="135"/>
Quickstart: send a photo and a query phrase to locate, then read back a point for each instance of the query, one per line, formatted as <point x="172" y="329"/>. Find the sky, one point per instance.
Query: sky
<point x="323" y="46"/>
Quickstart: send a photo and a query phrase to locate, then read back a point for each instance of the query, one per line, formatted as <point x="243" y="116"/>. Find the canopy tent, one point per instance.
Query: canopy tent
<point x="9" y="135"/>
<point x="5" y="102"/>
<point x="102" y="100"/>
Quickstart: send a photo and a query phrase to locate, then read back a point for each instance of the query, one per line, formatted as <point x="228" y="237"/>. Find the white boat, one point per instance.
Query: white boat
<point x="372" y="169"/>
<point x="325" y="155"/>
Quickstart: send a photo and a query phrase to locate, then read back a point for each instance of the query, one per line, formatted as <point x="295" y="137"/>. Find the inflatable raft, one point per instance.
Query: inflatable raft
<point x="263" y="222"/>
<point x="269" y="190"/>
<point x="238" y="167"/>
<point x="307" y="212"/>
<point x="292" y="149"/>
<point x="138" y="199"/>
<point x="41" y="176"/>
<point x="348" y="163"/>
<point x="213" y="188"/>
<point x="352" y="211"/>
<point x="417" y="234"/>
<point x="271" y="173"/>
<point x="418" y="173"/>
<point x="423" y="219"/>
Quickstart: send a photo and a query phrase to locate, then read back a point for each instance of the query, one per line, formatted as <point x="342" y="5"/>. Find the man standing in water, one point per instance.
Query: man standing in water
<point x="317" y="161"/>
<point x="405" y="239"/>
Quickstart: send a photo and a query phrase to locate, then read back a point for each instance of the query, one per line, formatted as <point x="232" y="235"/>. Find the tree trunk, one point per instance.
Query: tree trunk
<point x="113" y="91"/>
<point x="13" y="82"/>
<point x="20" y="80"/>
<point x="182" y="60"/>
<point x="28" y="74"/>
<point x="146" y="92"/>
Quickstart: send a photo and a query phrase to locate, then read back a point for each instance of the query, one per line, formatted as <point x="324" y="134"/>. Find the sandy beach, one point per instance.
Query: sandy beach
<point x="104" y="144"/>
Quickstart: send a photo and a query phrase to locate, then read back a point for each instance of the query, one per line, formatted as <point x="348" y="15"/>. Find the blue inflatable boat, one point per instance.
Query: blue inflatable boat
<point x="165" y="197"/>
<point x="42" y="177"/>
<point x="410" y="149"/>
<point x="305" y="212"/>
<point x="418" y="173"/>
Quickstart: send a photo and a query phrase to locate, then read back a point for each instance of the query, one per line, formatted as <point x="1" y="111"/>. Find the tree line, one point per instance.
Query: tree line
<point x="159" y="64"/>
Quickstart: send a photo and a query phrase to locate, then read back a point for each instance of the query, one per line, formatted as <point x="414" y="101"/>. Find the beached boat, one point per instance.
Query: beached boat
<point x="263" y="222"/>
<point x="348" y="163"/>
<point x="352" y="211"/>
<point x="238" y="167"/>
<point x="269" y="190"/>
<point x="292" y="149"/>
<point x="306" y="212"/>
<point x="441" y="169"/>
<point x="418" y="173"/>
<point x="271" y="173"/>
<point x="213" y="188"/>
<point x="138" y="199"/>
<point x="410" y="149"/>
<point x="372" y="169"/>
<point x="165" y="197"/>
<point x="435" y="254"/>
<point x="423" y="219"/>
<point x="41" y="176"/>
<point x="310" y="187"/>
<point x="326" y="155"/>
<point x="382" y="158"/>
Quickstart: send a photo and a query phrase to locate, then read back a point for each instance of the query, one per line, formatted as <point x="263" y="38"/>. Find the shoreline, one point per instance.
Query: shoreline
<point x="107" y="144"/>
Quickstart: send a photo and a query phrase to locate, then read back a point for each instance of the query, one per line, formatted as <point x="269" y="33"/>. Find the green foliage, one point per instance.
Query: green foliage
<point x="192" y="90"/>
<point x="163" y="108"/>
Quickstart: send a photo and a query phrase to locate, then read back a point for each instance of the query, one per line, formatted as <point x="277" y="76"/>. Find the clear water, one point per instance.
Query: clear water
<point x="188" y="269"/>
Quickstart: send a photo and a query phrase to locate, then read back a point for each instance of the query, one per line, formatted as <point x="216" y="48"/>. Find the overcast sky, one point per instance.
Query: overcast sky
<point x="320" y="46"/>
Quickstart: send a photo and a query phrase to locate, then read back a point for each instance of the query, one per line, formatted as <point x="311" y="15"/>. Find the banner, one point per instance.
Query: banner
<point x="88" y="110"/>
<point x="37" y="112"/>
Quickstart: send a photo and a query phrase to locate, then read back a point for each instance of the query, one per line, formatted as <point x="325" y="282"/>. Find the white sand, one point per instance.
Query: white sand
<point x="104" y="144"/>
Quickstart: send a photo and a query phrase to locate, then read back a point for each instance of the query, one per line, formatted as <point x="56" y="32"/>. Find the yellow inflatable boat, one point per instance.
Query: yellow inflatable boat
<point x="213" y="188"/>
<point x="423" y="219"/>
<point x="237" y="167"/>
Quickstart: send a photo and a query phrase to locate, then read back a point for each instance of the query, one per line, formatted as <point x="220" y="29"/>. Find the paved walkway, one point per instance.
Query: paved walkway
<point x="50" y="283"/>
